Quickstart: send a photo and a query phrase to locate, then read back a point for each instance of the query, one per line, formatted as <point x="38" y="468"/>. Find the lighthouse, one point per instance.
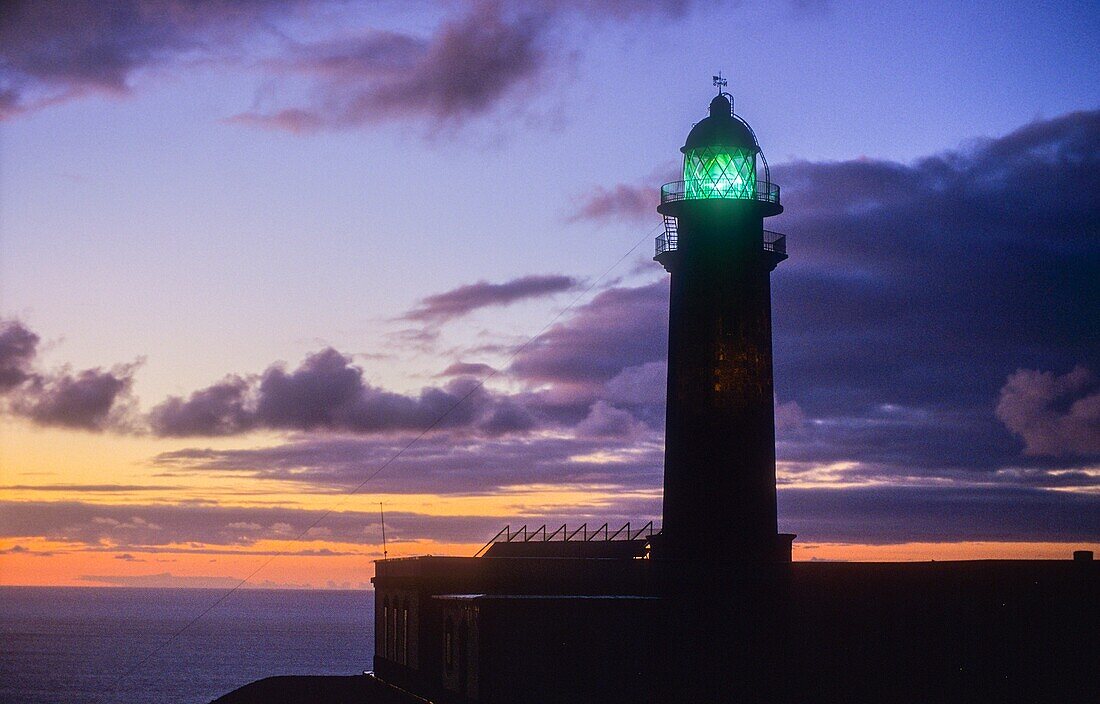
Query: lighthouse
<point x="719" y="480"/>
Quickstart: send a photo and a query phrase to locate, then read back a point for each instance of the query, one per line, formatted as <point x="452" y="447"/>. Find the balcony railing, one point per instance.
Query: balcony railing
<point x="668" y="242"/>
<point x="765" y="192"/>
<point x="775" y="242"/>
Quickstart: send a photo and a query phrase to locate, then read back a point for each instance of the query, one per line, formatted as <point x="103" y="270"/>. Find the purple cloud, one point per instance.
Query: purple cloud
<point x="51" y="52"/>
<point x="93" y="399"/>
<point x="451" y="463"/>
<point x="216" y="410"/>
<point x="620" y="202"/>
<point x="876" y="515"/>
<point x="325" y="393"/>
<point x="893" y="346"/>
<point x="212" y="529"/>
<point x="162" y="580"/>
<point x="619" y="328"/>
<point x="884" y="515"/>
<point x="18" y="346"/>
<point x="1055" y="415"/>
<point x="466" y="68"/>
<point x="490" y="52"/>
<point x="467" y="369"/>
<point x="460" y="301"/>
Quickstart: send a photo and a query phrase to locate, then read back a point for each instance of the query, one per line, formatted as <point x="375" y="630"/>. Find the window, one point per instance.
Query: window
<point x="393" y="632"/>
<point x="449" y="644"/>
<point x="720" y="172"/>
<point x="405" y="634"/>
<point x="399" y="632"/>
<point x="385" y="640"/>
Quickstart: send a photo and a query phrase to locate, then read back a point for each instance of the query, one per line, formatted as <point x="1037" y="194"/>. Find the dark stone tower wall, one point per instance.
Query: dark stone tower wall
<point x="719" y="496"/>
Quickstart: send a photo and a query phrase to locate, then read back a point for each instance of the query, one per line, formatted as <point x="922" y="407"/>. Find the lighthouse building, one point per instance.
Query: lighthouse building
<point x="708" y="606"/>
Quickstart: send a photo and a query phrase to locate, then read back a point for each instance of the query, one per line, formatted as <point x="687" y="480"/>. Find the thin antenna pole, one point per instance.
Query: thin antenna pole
<point x="385" y="553"/>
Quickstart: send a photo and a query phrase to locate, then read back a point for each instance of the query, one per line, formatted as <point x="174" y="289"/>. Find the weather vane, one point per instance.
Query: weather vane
<point x="719" y="82"/>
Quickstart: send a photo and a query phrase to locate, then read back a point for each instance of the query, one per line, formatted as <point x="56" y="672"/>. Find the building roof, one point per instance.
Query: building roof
<point x="543" y="597"/>
<point x="721" y="129"/>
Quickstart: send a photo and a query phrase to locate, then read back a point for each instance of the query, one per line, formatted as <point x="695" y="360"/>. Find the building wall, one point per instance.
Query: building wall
<point x="397" y="626"/>
<point x="461" y="650"/>
<point x="807" y="632"/>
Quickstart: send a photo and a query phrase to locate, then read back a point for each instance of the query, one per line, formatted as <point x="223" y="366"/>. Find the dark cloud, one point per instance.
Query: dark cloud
<point x="619" y="328"/>
<point x="326" y="392"/>
<point x="18" y="346"/>
<point x="93" y="399"/>
<point x="510" y="416"/>
<point x="886" y="515"/>
<point x="91" y="488"/>
<point x="488" y="52"/>
<point x="472" y="63"/>
<point x="162" y="580"/>
<point x="52" y="51"/>
<point x="1055" y="415"/>
<point x="465" y="68"/>
<point x="454" y="463"/>
<point x="620" y="202"/>
<point x="200" y="529"/>
<point x="467" y="369"/>
<point x="865" y="515"/>
<point x="913" y="292"/>
<point x="466" y="299"/>
<point x="216" y="410"/>
<point x="607" y="421"/>
<point x="915" y="295"/>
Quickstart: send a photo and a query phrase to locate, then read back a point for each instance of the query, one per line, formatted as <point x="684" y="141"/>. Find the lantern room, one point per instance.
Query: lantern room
<point x="720" y="155"/>
<point x="722" y="161"/>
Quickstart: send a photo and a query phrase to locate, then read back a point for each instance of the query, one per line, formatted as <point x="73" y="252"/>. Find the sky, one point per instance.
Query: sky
<point x="251" y="252"/>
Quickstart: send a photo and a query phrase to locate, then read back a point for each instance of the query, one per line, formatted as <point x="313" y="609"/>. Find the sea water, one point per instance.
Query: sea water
<point x="84" y="645"/>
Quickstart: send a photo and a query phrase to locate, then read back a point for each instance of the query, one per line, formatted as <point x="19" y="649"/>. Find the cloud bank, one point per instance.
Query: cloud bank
<point x="52" y="52"/>
<point x="92" y="399"/>
<point x="482" y="55"/>
<point x="460" y="301"/>
<point x="935" y="356"/>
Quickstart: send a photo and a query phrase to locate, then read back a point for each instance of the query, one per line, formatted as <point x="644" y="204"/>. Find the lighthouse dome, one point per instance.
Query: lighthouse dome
<point x="721" y="129"/>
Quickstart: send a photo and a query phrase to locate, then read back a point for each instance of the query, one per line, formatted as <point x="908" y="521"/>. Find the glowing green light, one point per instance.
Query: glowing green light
<point x="720" y="172"/>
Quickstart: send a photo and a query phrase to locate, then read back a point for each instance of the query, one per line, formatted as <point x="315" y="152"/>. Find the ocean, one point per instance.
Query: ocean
<point x="61" y="645"/>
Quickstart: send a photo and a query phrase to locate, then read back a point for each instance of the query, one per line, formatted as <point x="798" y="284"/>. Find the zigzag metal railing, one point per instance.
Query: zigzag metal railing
<point x="525" y="535"/>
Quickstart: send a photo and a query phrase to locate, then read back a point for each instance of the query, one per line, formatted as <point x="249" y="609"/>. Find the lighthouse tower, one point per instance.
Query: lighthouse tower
<point x="719" y="485"/>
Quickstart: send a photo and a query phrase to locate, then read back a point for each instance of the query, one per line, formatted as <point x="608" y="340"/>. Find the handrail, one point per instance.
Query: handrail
<point x="773" y="242"/>
<point x="764" y="191"/>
